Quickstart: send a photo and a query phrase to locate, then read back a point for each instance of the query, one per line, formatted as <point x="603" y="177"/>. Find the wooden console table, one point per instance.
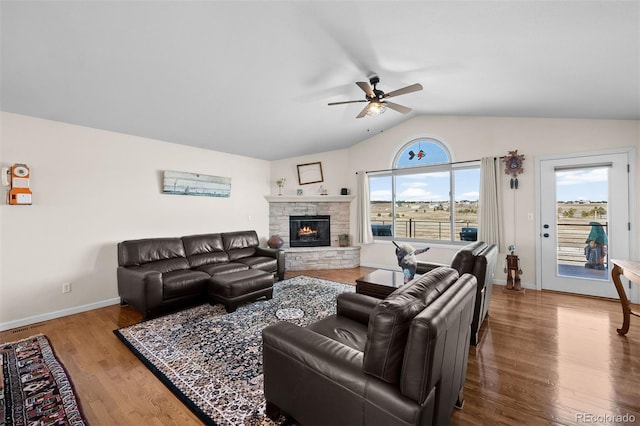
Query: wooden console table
<point x="631" y="270"/>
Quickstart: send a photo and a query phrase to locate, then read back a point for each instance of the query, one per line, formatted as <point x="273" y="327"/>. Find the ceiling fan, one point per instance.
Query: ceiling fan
<point x="376" y="98"/>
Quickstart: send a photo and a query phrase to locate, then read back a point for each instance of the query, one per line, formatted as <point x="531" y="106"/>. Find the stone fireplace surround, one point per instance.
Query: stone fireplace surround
<point x="300" y="258"/>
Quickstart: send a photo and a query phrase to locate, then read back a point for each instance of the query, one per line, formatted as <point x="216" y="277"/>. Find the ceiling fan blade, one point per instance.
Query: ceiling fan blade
<point x="409" y="89"/>
<point x="364" y="111"/>
<point x="396" y="107"/>
<point x="346" y="102"/>
<point x="366" y="88"/>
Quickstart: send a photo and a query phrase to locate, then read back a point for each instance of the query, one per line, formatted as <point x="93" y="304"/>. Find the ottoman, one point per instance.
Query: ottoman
<point x="237" y="287"/>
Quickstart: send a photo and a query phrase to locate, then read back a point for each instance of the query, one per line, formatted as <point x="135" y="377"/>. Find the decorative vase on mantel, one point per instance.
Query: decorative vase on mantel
<point x="281" y="183"/>
<point x="275" y="241"/>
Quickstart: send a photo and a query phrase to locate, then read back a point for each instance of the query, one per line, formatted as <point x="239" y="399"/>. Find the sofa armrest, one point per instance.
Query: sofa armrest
<point x="325" y="355"/>
<point x="300" y="365"/>
<point x="424" y="267"/>
<point x="356" y="306"/>
<point x="276" y="254"/>
<point x="268" y="251"/>
<point x="141" y="288"/>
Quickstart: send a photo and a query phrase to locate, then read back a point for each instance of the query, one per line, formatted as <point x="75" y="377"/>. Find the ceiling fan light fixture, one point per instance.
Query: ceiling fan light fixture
<point x="376" y="108"/>
<point x="377" y="103"/>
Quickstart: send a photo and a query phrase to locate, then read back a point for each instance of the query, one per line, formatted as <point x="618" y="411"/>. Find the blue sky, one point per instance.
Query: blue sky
<point x="573" y="185"/>
<point x="427" y="187"/>
<point x="589" y="184"/>
<point x="586" y="184"/>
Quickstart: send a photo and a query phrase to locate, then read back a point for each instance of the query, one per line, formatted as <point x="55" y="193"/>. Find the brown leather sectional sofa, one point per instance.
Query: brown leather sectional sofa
<point x="158" y="274"/>
<point x="397" y="361"/>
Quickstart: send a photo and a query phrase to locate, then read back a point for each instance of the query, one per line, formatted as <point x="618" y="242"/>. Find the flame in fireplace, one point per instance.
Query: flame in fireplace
<point x="307" y="232"/>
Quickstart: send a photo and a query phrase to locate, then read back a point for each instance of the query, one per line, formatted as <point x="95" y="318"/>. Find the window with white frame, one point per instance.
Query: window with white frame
<point x="425" y="196"/>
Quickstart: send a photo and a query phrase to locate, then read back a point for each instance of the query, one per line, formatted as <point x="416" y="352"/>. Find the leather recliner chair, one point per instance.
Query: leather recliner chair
<point x="479" y="259"/>
<point x="397" y="361"/>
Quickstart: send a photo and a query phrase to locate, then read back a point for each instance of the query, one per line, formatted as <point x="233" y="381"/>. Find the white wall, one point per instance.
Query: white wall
<point x="470" y="138"/>
<point x="92" y="189"/>
<point x="335" y="170"/>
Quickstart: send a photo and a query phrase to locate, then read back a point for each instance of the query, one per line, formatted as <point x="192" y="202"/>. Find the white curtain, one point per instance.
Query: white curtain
<point x="490" y="213"/>
<point x="365" y="236"/>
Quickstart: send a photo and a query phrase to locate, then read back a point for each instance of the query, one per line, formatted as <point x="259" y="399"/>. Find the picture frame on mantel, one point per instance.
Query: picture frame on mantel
<point x="310" y="173"/>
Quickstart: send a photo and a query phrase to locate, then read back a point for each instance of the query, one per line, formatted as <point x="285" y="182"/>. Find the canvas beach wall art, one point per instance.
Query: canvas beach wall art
<point x="184" y="183"/>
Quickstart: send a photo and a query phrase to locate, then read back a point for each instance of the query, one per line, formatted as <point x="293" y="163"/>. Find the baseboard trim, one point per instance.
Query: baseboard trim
<point x="503" y="282"/>
<point x="57" y="314"/>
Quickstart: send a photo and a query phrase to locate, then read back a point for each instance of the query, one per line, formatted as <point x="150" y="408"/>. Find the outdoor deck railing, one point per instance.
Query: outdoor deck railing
<point x="571" y="238"/>
<point x="571" y="241"/>
<point x="425" y="229"/>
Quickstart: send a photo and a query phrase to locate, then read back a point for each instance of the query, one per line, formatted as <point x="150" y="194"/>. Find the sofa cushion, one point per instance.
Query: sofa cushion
<point x="204" y="249"/>
<point x="240" y="244"/>
<point x="264" y="263"/>
<point x="158" y="254"/>
<point x="167" y="265"/>
<point x="183" y="283"/>
<point x="341" y="329"/>
<point x="389" y="322"/>
<point x="238" y="284"/>
<point x="222" y="268"/>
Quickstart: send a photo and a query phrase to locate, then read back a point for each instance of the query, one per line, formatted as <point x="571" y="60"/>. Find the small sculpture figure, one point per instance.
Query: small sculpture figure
<point x="280" y="182"/>
<point x="420" y="154"/>
<point x="513" y="282"/>
<point x="596" y="249"/>
<point x="407" y="260"/>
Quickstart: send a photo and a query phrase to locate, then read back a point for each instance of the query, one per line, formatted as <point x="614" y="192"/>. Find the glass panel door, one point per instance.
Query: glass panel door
<point x="584" y="213"/>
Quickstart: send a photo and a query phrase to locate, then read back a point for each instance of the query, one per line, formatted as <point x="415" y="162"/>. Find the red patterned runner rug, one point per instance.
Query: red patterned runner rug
<point x="34" y="386"/>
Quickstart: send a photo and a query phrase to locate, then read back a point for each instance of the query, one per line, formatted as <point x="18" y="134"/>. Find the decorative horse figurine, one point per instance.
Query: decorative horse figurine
<point x="407" y="259"/>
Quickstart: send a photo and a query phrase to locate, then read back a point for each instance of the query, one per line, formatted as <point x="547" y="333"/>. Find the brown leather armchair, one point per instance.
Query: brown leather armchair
<point x="397" y="361"/>
<point x="479" y="259"/>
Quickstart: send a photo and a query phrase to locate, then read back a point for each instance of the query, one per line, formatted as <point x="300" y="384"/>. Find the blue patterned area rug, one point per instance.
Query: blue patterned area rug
<point x="213" y="360"/>
<point x="34" y="387"/>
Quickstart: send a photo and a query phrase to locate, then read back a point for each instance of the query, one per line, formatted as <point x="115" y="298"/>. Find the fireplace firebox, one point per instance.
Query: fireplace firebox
<point x="309" y="231"/>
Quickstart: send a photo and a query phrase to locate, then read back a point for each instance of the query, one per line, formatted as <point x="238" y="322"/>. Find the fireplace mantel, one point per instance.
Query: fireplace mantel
<point x="309" y="198"/>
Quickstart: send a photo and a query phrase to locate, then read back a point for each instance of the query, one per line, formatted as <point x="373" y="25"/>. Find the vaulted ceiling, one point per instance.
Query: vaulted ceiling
<point x="254" y="77"/>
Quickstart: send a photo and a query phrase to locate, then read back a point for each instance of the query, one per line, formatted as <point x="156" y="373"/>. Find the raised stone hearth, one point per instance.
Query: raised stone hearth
<point x="300" y="258"/>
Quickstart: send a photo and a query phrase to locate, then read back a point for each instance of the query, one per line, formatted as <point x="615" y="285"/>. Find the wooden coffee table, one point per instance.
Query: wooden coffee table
<point x="379" y="283"/>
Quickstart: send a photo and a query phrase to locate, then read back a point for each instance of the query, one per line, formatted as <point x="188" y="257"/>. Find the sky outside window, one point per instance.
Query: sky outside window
<point x="572" y="185"/>
<point x="590" y="184"/>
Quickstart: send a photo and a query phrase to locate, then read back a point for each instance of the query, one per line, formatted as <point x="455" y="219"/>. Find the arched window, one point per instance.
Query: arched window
<point x="425" y="196"/>
<point x="420" y="152"/>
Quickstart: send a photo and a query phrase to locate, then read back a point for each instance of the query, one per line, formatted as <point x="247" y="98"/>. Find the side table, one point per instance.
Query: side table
<point x="631" y="270"/>
<point x="380" y="283"/>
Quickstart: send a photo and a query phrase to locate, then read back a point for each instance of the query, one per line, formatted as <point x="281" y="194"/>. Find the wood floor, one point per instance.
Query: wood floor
<point x="544" y="358"/>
